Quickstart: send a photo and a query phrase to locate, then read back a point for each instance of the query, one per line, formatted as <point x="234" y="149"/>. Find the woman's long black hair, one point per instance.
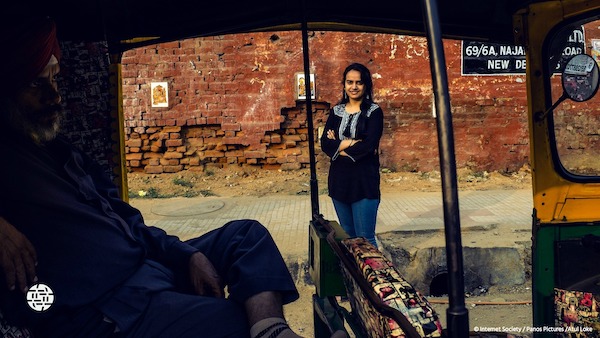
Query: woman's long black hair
<point x="367" y="100"/>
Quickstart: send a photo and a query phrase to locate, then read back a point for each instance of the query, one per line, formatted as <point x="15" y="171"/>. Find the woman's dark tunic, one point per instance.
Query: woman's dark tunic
<point x="356" y="176"/>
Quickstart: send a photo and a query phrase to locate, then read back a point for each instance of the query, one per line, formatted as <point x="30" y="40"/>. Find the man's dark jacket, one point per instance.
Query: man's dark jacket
<point x="87" y="239"/>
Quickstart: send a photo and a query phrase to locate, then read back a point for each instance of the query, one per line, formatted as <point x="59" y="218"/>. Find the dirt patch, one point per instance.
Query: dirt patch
<point x="258" y="182"/>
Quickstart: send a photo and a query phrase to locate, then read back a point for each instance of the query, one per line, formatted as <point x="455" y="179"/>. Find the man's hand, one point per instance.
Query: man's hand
<point x="204" y="277"/>
<point x="17" y="257"/>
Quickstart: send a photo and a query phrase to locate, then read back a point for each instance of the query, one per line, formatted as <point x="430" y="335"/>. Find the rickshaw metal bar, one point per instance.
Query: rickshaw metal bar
<point x="457" y="313"/>
<point x="314" y="187"/>
<point x="118" y="133"/>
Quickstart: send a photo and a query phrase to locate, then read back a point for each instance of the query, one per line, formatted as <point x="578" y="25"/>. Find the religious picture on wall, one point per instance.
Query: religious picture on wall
<point x="300" y="85"/>
<point x="160" y="94"/>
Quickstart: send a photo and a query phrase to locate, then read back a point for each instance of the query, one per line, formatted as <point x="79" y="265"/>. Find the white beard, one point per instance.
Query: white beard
<point x="24" y="125"/>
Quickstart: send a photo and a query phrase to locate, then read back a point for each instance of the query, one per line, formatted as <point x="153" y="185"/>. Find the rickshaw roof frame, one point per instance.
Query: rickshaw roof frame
<point x="127" y="24"/>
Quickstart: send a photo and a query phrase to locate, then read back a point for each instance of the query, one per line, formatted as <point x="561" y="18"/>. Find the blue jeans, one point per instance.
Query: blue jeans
<point x="358" y="219"/>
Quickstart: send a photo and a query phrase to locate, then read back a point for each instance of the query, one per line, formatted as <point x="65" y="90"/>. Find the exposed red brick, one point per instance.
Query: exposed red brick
<point x="254" y="154"/>
<point x="153" y="169"/>
<point x="173" y="155"/>
<point x="213" y="153"/>
<point x="133" y="156"/>
<point x="193" y="161"/>
<point x="172" y="168"/>
<point x="174" y="143"/>
<point x="236" y="153"/>
<point x="275" y="138"/>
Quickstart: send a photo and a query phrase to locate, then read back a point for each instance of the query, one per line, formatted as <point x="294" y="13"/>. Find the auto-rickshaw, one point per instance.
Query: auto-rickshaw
<point x="561" y="112"/>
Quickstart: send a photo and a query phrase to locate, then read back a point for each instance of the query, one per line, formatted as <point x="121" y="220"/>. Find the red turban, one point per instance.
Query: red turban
<point x="27" y="51"/>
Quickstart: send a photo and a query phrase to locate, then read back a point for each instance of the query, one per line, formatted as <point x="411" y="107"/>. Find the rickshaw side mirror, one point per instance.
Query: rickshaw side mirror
<point x="580" y="78"/>
<point x="580" y="81"/>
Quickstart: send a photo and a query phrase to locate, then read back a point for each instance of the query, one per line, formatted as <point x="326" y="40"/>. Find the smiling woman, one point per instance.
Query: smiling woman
<point x="351" y="139"/>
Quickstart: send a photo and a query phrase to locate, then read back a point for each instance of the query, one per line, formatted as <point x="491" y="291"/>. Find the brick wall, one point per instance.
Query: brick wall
<point x="231" y="102"/>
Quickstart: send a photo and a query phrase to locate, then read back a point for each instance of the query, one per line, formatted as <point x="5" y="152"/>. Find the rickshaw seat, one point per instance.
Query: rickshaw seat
<point x="352" y="267"/>
<point x="382" y="301"/>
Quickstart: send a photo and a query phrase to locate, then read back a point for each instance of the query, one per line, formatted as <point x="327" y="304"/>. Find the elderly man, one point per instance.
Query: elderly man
<point x="66" y="230"/>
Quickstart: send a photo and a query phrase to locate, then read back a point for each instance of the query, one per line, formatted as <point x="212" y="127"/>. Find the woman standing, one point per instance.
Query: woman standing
<point x="351" y="139"/>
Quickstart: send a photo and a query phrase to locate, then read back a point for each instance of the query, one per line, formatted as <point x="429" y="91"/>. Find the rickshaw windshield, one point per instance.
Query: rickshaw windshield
<point x="575" y="124"/>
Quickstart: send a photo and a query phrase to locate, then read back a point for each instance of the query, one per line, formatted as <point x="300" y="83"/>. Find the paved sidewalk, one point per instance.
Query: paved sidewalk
<point x="287" y="217"/>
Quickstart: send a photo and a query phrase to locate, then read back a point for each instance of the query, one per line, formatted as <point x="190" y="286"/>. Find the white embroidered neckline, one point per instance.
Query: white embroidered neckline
<point x="340" y="109"/>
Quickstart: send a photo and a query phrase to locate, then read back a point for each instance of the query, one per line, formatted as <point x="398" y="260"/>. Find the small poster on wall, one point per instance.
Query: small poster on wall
<point x="300" y="85"/>
<point x="160" y="94"/>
